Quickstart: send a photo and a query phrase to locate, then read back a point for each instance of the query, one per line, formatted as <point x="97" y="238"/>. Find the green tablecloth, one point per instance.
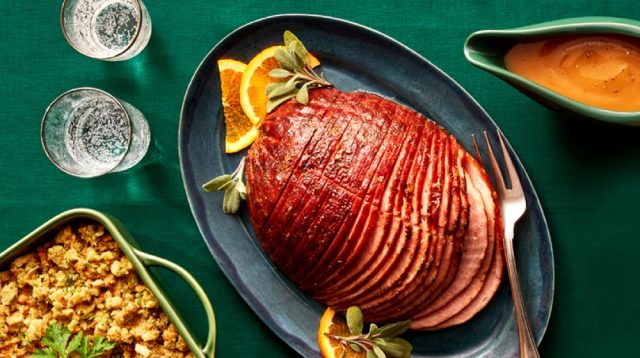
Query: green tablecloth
<point x="586" y="175"/>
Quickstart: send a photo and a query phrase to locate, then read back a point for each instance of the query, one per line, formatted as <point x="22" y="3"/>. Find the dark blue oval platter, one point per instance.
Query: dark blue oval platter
<point x="352" y="57"/>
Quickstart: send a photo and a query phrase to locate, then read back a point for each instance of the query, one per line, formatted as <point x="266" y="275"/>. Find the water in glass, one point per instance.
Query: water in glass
<point x="107" y="29"/>
<point x="87" y="132"/>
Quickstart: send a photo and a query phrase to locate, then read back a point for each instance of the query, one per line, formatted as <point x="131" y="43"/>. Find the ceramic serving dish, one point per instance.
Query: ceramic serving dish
<point x="408" y="78"/>
<point x="486" y="49"/>
<point x="140" y="261"/>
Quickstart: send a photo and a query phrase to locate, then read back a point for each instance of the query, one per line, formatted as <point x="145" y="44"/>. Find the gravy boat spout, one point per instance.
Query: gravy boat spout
<point x="486" y="49"/>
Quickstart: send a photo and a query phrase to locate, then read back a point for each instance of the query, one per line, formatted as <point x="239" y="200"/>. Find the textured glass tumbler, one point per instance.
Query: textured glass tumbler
<point x="87" y="132"/>
<point x="111" y="30"/>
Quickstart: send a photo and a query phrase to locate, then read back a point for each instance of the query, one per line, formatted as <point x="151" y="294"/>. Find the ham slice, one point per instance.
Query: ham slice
<point x="421" y="263"/>
<point x="475" y="243"/>
<point x="381" y="263"/>
<point x="491" y="281"/>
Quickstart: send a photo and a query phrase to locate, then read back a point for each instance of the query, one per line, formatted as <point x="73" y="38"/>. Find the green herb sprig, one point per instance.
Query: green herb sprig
<point x="232" y="186"/>
<point x="295" y="65"/>
<point x="379" y="342"/>
<point x="58" y="343"/>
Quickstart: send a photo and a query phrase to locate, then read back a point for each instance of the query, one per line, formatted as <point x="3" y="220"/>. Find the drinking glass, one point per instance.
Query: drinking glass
<point x="111" y="30"/>
<point x="86" y="132"/>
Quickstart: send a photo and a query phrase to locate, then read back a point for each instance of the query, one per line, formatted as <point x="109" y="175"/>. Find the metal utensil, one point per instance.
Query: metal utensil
<point x="512" y="206"/>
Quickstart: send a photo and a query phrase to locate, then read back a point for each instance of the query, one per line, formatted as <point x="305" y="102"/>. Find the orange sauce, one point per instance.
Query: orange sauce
<point x="598" y="70"/>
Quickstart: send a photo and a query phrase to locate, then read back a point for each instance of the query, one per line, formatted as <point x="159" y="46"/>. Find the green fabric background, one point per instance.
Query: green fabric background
<point x="586" y="175"/>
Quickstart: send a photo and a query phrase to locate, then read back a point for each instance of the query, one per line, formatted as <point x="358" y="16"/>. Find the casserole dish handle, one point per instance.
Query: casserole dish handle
<point x="150" y="260"/>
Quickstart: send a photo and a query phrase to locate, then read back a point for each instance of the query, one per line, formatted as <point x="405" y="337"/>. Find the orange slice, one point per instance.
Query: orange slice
<point x="253" y="94"/>
<point x="240" y="131"/>
<point x="332" y="323"/>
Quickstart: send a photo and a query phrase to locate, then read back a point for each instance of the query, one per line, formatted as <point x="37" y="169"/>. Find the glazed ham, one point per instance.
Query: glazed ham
<point x="362" y="201"/>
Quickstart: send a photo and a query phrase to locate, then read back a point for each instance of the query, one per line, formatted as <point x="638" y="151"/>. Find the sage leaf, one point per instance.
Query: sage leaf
<point x="394" y="329"/>
<point x="303" y="94"/>
<point x="284" y="59"/>
<point x="373" y="330"/>
<point x="217" y="183"/>
<point x="354" y="317"/>
<point x="289" y="37"/>
<point x="300" y="62"/>
<point x="394" y="347"/>
<point x="241" y="189"/>
<point x="379" y="352"/>
<point x="294" y="60"/>
<point x="302" y="52"/>
<point x="376" y="343"/>
<point x="279" y="73"/>
<point x="293" y="80"/>
<point x="282" y="88"/>
<point x="299" y="48"/>
<point x="271" y="86"/>
<point x="232" y="186"/>
<point x="231" y="201"/>
<point x="275" y="102"/>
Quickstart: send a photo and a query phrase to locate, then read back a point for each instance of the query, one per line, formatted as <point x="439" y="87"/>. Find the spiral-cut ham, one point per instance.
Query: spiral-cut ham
<point x="362" y="201"/>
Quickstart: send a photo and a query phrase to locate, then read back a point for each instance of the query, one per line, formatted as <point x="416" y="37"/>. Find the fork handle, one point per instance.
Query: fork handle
<point x="528" y="346"/>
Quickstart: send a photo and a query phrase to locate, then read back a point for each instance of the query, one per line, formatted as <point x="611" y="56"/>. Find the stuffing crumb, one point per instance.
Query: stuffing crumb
<point x="80" y="279"/>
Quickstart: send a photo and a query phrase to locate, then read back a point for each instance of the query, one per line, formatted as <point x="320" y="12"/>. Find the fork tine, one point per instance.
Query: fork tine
<point x="494" y="165"/>
<point x="513" y="174"/>
<point x="476" y="149"/>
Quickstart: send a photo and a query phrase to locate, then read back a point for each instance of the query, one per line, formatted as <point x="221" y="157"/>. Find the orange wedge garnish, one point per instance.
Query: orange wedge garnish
<point x="334" y="324"/>
<point x="240" y="131"/>
<point x="253" y="94"/>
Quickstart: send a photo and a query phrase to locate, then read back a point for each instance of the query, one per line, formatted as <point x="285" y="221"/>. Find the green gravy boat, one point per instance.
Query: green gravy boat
<point x="486" y="49"/>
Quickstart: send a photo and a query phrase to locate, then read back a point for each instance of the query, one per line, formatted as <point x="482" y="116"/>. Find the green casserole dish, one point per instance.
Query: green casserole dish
<point x="140" y="261"/>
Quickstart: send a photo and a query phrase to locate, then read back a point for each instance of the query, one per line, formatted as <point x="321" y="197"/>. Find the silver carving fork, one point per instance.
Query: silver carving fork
<point x="513" y="206"/>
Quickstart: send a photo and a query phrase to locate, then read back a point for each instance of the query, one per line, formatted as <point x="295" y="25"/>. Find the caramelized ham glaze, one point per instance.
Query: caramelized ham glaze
<point x="362" y="201"/>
